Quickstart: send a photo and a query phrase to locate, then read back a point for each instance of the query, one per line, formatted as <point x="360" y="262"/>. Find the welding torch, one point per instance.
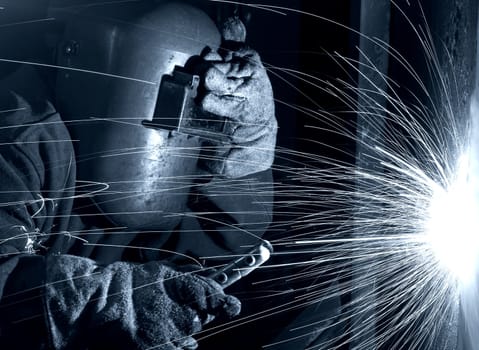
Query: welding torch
<point x="243" y="265"/>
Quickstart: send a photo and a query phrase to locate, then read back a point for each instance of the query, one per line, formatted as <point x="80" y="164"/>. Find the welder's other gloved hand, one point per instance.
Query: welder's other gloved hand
<point x="238" y="88"/>
<point x="129" y="306"/>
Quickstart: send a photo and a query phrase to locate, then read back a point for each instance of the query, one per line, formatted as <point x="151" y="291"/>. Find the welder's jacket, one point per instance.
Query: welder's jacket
<point x="38" y="217"/>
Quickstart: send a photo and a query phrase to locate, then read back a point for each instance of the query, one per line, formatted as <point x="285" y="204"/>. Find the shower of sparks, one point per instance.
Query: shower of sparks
<point x="413" y="235"/>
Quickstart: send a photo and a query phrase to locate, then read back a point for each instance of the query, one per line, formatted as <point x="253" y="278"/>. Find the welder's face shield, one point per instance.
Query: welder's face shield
<point x="23" y="24"/>
<point x="117" y="58"/>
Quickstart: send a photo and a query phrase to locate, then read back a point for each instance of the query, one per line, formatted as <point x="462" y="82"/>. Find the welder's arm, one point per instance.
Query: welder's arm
<point x="67" y="302"/>
<point x="230" y="215"/>
<point x="225" y="217"/>
<point x="64" y="301"/>
<point x="238" y="89"/>
<point x="129" y="306"/>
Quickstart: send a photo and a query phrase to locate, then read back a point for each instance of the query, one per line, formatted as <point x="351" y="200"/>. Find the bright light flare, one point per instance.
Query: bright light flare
<point x="452" y="227"/>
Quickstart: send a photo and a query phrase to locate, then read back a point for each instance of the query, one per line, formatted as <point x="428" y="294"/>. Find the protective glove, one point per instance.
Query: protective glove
<point x="129" y="306"/>
<point x="237" y="88"/>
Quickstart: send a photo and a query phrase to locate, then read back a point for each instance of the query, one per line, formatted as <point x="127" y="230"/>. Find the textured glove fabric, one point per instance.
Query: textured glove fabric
<point x="238" y="88"/>
<point x="129" y="306"/>
<point x="233" y="29"/>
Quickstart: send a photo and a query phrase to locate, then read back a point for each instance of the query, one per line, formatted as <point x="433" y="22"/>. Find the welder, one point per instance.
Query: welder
<point x="109" y="220"/>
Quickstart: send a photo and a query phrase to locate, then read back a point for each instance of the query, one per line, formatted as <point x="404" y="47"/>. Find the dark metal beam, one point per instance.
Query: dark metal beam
<point x="374" y="22"/>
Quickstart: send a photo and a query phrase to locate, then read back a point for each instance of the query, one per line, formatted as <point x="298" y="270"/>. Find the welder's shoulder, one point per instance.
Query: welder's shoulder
<point x="24" y="119"/>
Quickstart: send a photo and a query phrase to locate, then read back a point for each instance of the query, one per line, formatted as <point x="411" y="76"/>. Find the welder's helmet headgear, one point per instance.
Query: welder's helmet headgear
<point x="23" y="25"/>
<point x="115" y="57"/>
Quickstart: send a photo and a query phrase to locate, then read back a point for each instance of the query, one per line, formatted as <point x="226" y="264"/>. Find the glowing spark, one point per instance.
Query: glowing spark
<point x="77" y="70"/>
<point x="453" y="225"/>
<point x="27" y="22"/>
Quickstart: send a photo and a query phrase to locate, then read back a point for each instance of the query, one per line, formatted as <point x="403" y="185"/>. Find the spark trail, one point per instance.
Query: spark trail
<point x="417" y="243"/>
<point x="412" y="235"/>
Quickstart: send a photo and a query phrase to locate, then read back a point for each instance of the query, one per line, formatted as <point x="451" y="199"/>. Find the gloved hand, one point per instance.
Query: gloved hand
<point x="129" y="306"/>
<point x="238" y="88"/>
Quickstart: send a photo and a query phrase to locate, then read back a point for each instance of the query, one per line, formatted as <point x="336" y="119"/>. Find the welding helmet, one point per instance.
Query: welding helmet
<point x="114" y="58"/>
<point x="23" y="27"/>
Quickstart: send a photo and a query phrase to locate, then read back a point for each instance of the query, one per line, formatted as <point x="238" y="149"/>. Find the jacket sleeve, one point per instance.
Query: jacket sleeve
<point x="23" y="323"/>
<point x="226" y="217"/>
<point x="22" y="272"/>
<point x="30" y="198"/>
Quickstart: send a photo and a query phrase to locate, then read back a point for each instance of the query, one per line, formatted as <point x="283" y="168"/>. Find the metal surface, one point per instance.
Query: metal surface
<point x="374" y="23"/>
